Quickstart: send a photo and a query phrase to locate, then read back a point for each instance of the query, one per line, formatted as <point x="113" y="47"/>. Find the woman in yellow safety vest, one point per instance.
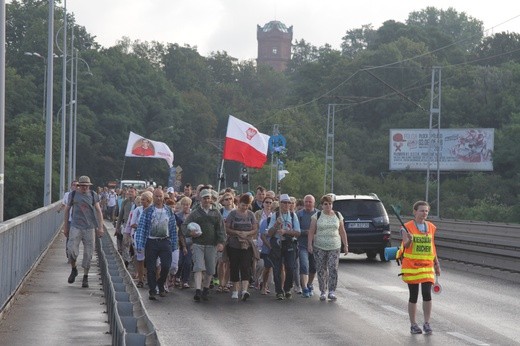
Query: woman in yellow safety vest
<point x="419" y="263"/>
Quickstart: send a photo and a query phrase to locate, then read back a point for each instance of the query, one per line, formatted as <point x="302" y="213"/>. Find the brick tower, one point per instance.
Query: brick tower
<point x="274" y="45"/>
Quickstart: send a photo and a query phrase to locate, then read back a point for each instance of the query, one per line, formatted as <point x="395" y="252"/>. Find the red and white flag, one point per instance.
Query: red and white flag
<point x="138" y="146"/>
<point x="245" y="144"/>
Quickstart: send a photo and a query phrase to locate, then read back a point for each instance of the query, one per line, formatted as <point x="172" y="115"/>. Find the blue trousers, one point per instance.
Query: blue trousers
<point x="162" y="249"/>
<point x="286" y="257"/>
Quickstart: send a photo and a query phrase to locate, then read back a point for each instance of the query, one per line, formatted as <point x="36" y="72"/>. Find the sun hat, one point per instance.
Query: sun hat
<point x="84" y="180"/>
<point x="285" y="198"/>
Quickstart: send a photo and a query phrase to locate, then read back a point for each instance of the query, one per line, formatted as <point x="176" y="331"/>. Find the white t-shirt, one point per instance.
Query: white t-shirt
<point x="111" y="199"/>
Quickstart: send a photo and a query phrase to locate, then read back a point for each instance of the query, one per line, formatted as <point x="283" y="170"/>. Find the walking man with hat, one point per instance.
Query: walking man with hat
<point x="86" y="222"/>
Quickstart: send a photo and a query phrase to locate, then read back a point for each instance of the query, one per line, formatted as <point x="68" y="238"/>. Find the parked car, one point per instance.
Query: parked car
<point x="366" y="223"/>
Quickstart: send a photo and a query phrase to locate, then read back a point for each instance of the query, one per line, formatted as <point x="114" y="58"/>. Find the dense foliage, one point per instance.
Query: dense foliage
<point x="380" y="80"/>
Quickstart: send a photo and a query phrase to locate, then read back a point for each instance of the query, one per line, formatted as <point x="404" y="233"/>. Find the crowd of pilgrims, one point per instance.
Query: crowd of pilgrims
<point x="202" y="239"/>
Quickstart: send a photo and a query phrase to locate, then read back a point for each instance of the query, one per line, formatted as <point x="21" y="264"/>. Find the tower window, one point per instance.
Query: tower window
<point x="275" y="50"/>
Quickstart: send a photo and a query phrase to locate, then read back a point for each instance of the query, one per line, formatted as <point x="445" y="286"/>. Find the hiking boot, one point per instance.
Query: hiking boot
<point x="205" y="294"/>
<point x="305" y="293"/>
<point x="288" y="295"/>
<point x="415" y="329"/>
<point x="197" y="295"/>
<point x="280" y="296"/>
<point x="163" y="294"/>
<point x="73" y="274"/>
<point x="84" y="284"/>
<point x="323" y="296"/>
<point x="245" y="295"/>
<point x="332" y="296"/>
<point x="427" y="329"/>
<point x="152" y="295"/>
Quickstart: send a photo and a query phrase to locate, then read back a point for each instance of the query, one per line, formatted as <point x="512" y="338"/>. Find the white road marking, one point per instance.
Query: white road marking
<point x="346" y="292"/>
<point x="390" y="288"/>
<point x="397" y="311"/>
<point x="468" y="339"/>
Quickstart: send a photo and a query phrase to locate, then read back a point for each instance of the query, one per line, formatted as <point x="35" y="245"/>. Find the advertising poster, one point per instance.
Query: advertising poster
<point x="459" y="149"/>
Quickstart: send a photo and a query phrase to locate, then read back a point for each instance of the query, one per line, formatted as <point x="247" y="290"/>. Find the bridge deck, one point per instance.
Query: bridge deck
<point x="50" y="311"/>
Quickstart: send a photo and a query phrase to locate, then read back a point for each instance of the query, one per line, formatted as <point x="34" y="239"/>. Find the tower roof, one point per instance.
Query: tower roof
<point x="275" y="25"/>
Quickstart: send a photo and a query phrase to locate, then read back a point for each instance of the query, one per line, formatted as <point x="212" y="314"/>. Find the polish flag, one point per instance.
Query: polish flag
<point x="245" y="144"/>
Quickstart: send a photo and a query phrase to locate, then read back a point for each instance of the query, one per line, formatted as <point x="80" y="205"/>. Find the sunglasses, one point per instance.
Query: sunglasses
<point x="285" y="202"/>
<point x="268" y="202"/>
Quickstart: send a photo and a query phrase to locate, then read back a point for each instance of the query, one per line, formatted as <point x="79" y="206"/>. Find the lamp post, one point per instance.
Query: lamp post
<point x="2" y="106"/>
<point x="47" y="183"/>
<point x="63" y="102"/>
<point x="74" y="109"/>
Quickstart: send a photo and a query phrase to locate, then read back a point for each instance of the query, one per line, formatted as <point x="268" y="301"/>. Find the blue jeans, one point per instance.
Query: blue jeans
<point x="286" y="257"/>
<point x="307" y="262"/>
<point x="157" y="248"/>
<point x="184" y="265"/>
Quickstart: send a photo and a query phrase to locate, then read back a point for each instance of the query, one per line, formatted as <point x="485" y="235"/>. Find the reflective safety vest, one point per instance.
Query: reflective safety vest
<point x="417" y="260"/>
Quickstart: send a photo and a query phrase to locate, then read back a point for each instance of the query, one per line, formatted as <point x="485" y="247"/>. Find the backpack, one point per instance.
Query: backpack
<point x="73" y="193"/>
<point x="319" y="214"/>
<point x="277" y="214"/>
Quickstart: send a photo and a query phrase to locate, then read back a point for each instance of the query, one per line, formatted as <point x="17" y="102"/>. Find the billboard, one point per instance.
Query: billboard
<point x="460" y="149"/>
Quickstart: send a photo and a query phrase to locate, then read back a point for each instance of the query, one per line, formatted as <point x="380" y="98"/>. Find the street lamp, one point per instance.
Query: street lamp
<point x="74" y="110"/>
<point x="38" y="55"/>
<point x="47" y="180"/>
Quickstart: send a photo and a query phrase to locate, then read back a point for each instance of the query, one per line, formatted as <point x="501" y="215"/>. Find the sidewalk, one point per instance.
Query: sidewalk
<point x="50" y="311"/>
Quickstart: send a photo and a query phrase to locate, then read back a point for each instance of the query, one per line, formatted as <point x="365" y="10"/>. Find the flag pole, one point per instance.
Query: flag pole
<point x="123" y="170"/>
<point x="220" y="175"/>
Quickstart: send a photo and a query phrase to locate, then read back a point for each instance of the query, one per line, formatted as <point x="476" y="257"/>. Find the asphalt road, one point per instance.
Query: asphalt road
<point x="371" y="310"/>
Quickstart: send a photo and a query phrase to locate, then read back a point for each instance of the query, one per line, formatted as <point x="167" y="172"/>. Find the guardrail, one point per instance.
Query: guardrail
<point x="490" y="245"/>
<point x="23" y="242"/>
<point x="127" y="316"/>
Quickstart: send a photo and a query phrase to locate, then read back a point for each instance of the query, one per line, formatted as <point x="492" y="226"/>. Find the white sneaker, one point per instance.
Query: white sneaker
<point x="234" y="295"/>
<point x="323" y="296"/>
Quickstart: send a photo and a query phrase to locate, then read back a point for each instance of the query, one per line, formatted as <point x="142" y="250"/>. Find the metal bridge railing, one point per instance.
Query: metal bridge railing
<point x="23" y="242"/>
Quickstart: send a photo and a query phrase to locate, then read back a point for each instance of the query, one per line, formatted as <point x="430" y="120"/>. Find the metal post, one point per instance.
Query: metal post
<point x="47" y="192"/>
<point x="2" y="105"/>
<point x="63" y="103"/>
<point x="329" y="149"/>
<point x="71" y="97"/>
<point x="435" y="108"/>
<point x="75" y="106"/>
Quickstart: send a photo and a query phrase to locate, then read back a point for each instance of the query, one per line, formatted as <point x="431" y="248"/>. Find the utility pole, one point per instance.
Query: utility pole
<point x="435" y="108"/>
<point x="329" y="150"/>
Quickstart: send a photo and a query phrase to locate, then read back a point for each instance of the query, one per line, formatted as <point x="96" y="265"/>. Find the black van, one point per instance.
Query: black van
<point x="366" y="223"/>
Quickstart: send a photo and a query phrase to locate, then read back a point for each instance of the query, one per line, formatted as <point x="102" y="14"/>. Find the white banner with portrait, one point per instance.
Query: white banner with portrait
<point x="139" y="146"/>
<point x="459" y="149"/>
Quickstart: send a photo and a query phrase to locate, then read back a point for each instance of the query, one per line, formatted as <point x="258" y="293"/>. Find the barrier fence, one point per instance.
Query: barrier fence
<point x="127" y="316"/>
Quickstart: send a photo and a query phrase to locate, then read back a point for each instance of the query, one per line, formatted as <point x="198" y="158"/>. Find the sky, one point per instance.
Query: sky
<point x="230" y="25"/>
